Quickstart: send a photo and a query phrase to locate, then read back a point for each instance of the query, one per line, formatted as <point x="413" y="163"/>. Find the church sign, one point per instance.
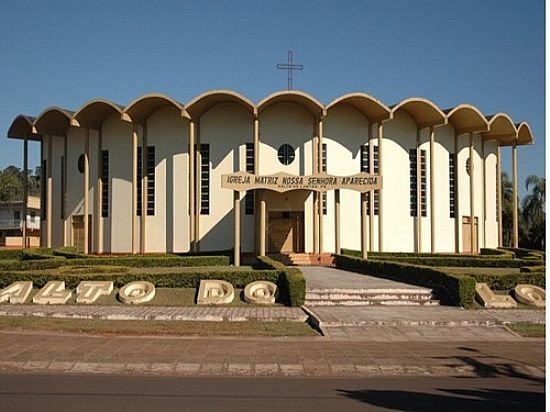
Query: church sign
<point x="283" y="182"/>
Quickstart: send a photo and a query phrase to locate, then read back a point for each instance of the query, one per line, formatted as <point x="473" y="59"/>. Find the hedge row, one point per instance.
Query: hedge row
<point x="531" y="269"/>
<point x="496" y="252"/>
<point x="292" y="282"/>
<point x="238" y="279"/>
<point x="404" y="256"/>
<point x="464" y="261"/>
<point x="128" y="261"/>
<point x="509" y="281"/>
<point x="524" y="253"/>
<point x="454" y="290"/>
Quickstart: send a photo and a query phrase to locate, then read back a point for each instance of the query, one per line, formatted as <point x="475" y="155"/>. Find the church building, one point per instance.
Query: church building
<point x="286" y="174"/>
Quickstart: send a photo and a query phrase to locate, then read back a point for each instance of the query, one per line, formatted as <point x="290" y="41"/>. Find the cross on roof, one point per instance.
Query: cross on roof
<point x="290" y="66"/>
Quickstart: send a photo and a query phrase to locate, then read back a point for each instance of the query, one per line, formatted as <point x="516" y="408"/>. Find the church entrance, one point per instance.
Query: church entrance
<point x="285" y="232"/>
<point x="78" y="232"/>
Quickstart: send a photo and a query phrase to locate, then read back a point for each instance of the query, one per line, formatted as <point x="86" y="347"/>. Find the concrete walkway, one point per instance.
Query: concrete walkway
<point x="318" y="277"/>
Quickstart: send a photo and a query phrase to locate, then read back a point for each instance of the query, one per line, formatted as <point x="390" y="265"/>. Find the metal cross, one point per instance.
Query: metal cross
<point x="290" y="67"/>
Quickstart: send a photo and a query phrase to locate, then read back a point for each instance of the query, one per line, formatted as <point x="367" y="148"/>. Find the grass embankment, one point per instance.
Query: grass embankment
<point x="172" y="328"/>
<point x="529" y="330"/>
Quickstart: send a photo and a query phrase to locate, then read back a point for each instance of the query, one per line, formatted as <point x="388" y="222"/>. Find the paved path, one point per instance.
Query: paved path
<point x="318" y="277"/>
<point x="164" y="313"/>
<point x="420" y="315"/>
<point x="85" y="354"/>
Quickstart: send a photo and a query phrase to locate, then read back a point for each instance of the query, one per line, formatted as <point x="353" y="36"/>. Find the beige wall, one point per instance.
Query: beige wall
<point x="293" y="124"/>
<point x="226" y="127"/>
<point x="167" y="230"/>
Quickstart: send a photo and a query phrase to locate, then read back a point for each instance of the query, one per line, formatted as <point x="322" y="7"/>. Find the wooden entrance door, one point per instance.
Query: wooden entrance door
<point x="285" y="232"/>
<point x="467" y="246"/>
<point x="78" y="232"/>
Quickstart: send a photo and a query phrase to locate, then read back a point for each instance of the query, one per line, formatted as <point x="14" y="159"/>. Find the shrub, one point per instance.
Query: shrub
<point x="523" y="253"/>
<point x="530" y="269"/>
<point x="291" y="281"/>
<point x="510" y="280"/>
<point x="93" y="269"/>
<point x="69" y="252"/>
<point x="497" y="252"/>
<point x="463" y="261"/>
<point x="11" y="254"/>
<point x="455" y="290"/>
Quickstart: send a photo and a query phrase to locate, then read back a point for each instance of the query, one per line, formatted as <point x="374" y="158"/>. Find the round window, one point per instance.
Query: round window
<point x="286" y="154"/>
<point x="81" y="163"/>
<point x="468" y="166"/>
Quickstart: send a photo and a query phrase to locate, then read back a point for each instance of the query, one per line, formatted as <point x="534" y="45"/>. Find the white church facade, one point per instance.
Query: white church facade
<point x="147" y="178"/>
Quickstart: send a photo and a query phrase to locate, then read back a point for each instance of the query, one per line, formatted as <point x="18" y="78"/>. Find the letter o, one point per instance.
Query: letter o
<point x="136" y="292"/>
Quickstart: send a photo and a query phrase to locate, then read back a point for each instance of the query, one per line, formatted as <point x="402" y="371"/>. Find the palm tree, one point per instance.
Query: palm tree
<point x="533" y="211"/>
<point x="507" y="209"/>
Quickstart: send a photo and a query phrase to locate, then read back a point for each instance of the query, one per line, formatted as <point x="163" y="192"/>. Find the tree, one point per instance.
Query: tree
<point x="533" y="212"/>
<point x="507" y="209"/>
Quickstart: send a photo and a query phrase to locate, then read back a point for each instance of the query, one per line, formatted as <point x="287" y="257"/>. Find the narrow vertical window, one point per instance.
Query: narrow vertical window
<point x="151" y="161"/>
<point x="138" y="181"/>
<point x="324" y="170"/>
<point x="412" y="187"/>
<point x="62" y="208"/>
<point x="452" y="183"/>
<point x="205" y="179"/>
<point x="423" y="187"/>
<point x="249" y="197"/>
<point x="365" y="168"/>
<point x="104" y="183"/>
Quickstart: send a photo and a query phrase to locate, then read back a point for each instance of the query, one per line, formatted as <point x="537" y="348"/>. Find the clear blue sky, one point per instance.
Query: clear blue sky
<point x="487" y="53"/>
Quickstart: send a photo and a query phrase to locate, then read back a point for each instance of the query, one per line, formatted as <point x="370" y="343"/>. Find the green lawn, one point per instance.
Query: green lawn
<point x="177" y="328"/>
<point x="529" y="330"/>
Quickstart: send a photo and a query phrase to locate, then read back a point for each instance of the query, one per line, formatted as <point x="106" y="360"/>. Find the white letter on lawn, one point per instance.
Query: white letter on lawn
<point x="89" y="290"/>
<point x="17" y="292"/>
<point x="53" y="293"/>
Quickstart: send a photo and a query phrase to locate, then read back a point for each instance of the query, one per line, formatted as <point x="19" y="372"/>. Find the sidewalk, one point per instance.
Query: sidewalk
<point x="173" y="356"/>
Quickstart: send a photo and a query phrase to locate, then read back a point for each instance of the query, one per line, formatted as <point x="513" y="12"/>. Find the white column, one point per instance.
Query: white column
<point x="86" y="189"/>
<point x="25" y="190"/>
<point x="515" y="240"/>
<point x="191" y="183"/>
<point x="473" y="246"/>
<point x="49" y="188"/>
<point x="381" y="191"/>
<point x="237" y="228"/>
<point x="432" y="190"/>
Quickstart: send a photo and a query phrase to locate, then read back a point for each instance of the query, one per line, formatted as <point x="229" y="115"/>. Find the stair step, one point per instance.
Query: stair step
<point x="371" y="303"/>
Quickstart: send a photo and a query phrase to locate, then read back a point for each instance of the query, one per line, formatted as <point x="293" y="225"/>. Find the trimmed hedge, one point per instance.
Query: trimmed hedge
<point x="11" y="254"/>
<point x="454" y="290"/>
<point x="292" y="282"/>
<point x="129" y="261"/>
<point x="531" y="269"/>
<point x="406" y="256"/>
<point x="509" y="281"/>
<point x="497" y="252"/>
<point x="524" y="253"/>
<point x="465" y="261"/>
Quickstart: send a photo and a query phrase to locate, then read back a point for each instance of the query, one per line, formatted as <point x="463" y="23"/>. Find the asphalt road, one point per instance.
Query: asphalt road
<point x="133" y="393"/>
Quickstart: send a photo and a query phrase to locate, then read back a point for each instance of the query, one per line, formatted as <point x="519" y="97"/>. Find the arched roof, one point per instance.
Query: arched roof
<point x="94" y="112"/>
<point x="293" y="96"/>
<point x="201" y="103"/>
<point x="524" y="134"/>
<point x="371" y="108"/>
<point x="21" y="127"/>
<point x="423" y="111"/>
<point x="467" y="118"/>
<point x="53" y="121"/>
<point x="502" y="129"/>
<point x="141" y="108"/>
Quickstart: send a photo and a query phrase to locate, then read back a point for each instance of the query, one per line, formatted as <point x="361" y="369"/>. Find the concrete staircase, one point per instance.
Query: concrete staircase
<point x="368" y="297"/>
<point x="305" y="259"/>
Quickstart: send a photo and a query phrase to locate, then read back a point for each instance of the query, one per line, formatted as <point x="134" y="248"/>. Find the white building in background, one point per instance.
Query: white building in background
<point x="121" y="179"/>
<point x="12" y="219"/>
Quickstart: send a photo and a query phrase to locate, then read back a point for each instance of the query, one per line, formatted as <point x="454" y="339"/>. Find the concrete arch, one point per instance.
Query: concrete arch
<point x="525" y="136"/>
<point x="502" y="129"/>
<point x="466" y="118"/>
<point x="371" y="108"/>
<point x="141" y="108"/>
<point x="294" y="96"/>
<point x="53" y="121"/>
<point x="423" y="111"/>
<point x="94" y="112"/>
<point x="201" y="103"/>
<point x="21" y="127"/>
